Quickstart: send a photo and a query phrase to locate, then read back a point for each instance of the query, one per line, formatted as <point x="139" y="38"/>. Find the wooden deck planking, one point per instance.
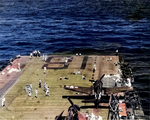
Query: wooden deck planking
<point x="21" y="106"/>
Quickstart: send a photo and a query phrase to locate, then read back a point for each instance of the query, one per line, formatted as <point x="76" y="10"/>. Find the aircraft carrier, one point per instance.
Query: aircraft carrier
<point x="57" y="77"/>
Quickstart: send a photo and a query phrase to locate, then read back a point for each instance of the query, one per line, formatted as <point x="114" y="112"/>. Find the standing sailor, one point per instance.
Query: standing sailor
<point x="128" y="83"/>
<point x="44" y="70"/>
<point x="31" y="55"/>
<point x="94" y="68"/>
<point x="38" y="53"/>
<point x="18" y="66"/>
<point x="39" y="83"/>
<point x="132" y="116"/>
<point x="45" y="58"/>
<point x="45" y="86"/>
<point x="36" y="92"/>
<point x="66" y="61"/>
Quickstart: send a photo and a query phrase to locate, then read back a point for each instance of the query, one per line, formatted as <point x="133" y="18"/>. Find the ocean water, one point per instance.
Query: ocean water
<point x="86" y="26"/>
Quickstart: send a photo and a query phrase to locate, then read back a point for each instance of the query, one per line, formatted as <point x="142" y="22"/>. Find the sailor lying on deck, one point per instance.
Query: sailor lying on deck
<point x="77" y="72"/>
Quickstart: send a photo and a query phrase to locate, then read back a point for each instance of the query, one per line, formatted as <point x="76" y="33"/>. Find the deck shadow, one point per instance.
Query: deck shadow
<point x="84" y="62"/>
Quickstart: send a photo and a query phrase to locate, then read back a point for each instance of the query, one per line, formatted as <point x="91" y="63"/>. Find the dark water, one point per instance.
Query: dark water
<point x="86" y="26"/>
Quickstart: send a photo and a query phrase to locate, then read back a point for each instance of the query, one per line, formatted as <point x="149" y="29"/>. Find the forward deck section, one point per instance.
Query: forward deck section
<point x="18" y="105"/>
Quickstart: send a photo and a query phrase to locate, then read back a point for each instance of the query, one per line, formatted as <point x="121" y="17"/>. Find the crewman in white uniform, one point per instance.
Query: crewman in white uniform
<point x="3" y="101"/>
<point x="36" y="92"/>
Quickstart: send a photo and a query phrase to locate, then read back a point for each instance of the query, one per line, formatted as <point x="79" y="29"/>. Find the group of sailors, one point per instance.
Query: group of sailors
<point x="122" y="82"/>
<point x="35" y="53"/>
<point x="131" y="100"/>
<point x="38" y="54"/>
<point x="46" y="89"/>
<point x="126" y="82"/>
<point x="78" y="54"/>
<point x="79" y="72"/>
<point x="36" y="92"/>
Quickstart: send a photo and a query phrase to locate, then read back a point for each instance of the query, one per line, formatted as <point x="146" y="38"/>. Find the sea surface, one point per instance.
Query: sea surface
<point x="78" y="26"/>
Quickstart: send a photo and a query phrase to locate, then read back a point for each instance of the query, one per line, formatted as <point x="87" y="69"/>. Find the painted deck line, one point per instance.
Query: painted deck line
<point x="13" y="80"/>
